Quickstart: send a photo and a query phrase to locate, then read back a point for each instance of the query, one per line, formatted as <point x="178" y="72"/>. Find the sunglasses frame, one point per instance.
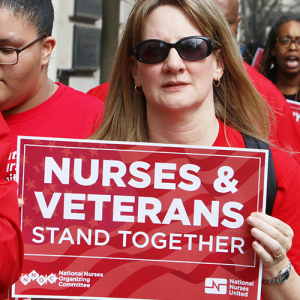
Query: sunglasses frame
<point x="209" y="43"/>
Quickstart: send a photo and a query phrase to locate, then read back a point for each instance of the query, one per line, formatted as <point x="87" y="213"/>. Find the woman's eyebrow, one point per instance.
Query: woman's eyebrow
<point x="289" y="36"/>
<point x="11" y="39"/>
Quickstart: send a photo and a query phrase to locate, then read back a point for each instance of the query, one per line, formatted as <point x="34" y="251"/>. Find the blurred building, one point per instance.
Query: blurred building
<point x="86" y="32"/>
<point x="291" y="5"/>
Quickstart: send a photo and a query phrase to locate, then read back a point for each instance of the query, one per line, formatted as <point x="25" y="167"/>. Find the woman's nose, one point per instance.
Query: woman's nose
<point x="174" y="63"/>
<point x="294" y="44"/>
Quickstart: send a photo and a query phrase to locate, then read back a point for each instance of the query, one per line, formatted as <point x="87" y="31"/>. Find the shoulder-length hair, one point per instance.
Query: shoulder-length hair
<point x="268" y="64"/>
<point x="237" y="103"/>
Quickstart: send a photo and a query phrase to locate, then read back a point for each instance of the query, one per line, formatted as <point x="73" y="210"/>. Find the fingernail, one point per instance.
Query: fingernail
<point x="250" y="220"/>
<point x="254" y="231"/>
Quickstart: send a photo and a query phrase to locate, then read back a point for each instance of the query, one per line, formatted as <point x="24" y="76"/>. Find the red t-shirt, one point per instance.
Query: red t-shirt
<point x="99" y="91"/>
<point x="67" y="114"/>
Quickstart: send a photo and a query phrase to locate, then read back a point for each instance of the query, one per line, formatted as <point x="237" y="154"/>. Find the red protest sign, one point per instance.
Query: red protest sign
<point x="295" y="107"/>
<point x="138" y="221"/>
<point x="257" y="58"/>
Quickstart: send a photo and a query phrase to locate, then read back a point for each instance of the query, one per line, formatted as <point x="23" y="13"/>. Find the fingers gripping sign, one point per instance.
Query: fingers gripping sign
<point x="223" y="184"/>
<point x="275" y="236"/>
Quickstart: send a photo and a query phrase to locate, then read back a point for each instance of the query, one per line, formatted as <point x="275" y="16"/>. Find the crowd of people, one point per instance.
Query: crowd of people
<point x="180" y="82"/>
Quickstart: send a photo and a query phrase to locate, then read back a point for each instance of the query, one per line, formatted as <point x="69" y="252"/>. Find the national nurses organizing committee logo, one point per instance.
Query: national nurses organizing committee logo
<point x="40" y="279"/>
<point x="217" y="286"/>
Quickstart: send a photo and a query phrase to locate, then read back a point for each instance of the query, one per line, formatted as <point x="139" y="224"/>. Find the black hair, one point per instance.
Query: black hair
<point x="38" y="13"/>
<point x="250" y="51"/>
<point x="268" y="59"/>
<point x="268" y="65"/>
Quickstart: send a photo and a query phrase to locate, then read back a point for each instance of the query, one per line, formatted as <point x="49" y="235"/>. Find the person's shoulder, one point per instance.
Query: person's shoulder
<point x="254" y="75"/>
<point x="72" y="91"/>
<point x="78" y="97"/>
<point x="266" y="88"/>
<point x="99" y="91"/>
<point x="259" y="80"/>
<point x="285" y="165"/>
<point x="228" y="137"/>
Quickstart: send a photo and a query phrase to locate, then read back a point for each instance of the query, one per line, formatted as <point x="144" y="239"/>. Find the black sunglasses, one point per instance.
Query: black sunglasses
<point x="190" y="48"/>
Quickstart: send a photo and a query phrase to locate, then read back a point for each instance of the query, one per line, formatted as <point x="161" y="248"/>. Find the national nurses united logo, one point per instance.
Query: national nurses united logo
<point x="36" y="277"/>
<point x="216" y="286"/>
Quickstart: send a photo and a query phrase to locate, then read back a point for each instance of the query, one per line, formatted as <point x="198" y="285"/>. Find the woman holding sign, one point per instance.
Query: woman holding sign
<point x="177" y="78"/>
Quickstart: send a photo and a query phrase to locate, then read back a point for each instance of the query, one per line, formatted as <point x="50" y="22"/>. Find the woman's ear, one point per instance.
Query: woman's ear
<point x="134" y="70"/>
<point x="48" y="46"/>
<point x="219" y="65"/>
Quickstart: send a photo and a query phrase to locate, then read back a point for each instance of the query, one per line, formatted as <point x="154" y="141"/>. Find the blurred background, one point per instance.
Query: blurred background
<point x="87" y="34"/>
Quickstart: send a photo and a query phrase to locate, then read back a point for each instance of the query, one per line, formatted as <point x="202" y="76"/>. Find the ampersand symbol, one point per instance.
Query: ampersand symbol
<point x="223" y="184"/>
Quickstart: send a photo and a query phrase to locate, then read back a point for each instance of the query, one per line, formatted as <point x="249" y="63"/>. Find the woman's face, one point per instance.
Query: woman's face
<point x="288" y="56"/>
<point x="175" y="84"/>
<point x="20" y="82"/>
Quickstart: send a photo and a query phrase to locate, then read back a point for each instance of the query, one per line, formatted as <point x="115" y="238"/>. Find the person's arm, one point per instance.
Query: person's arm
<point x="11" y="242"/>
<point x="276" y="236"/>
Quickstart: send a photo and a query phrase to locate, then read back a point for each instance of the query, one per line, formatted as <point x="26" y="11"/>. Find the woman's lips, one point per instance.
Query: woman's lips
<point x="174" y="85"/>
<point x="292" y="62"/>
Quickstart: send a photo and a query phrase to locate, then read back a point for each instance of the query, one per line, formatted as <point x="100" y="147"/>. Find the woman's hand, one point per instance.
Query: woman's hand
<point x="273" y="241"/>
<point x="20" y="202"/>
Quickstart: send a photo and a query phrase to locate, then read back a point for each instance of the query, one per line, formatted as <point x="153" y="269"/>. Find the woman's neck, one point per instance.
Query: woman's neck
<point x="288" y="85"/>
<point x="181" y="128"/>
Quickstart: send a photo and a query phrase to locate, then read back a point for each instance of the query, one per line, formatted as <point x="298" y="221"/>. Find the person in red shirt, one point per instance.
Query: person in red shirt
<point x="32" y="105"/>
<point x="183" y="83"/>
<point x="30" y="102"/>
<point x="11" y="241"/>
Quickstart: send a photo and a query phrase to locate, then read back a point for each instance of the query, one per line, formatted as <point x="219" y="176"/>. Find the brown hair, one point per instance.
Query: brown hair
<point x="237" y="103"/>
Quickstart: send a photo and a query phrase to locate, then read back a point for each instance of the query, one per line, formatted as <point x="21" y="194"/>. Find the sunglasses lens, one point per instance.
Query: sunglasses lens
<point x="155" y="51"/>
<point x="193" y="48"/>
<point x="152" y="52"/>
